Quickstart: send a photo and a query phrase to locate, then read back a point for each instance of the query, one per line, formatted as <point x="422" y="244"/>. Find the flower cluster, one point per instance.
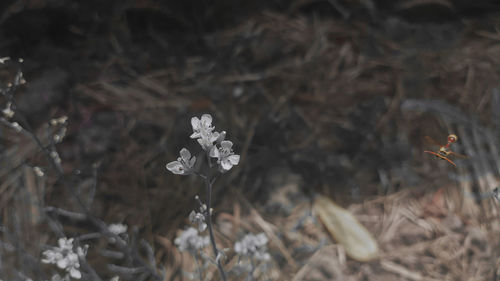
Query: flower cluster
<point x="65" y="258"/>
<point x="203" y="131"/>
<point x="212" y="142"/>
<point x="253" y="246"/>
<point x="190" y="240"/>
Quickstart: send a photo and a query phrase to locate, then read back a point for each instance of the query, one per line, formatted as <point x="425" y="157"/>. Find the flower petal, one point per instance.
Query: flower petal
<point x="234" y="159"/>
<point x="206" y="119"/>
<point x="62" y="263"/>
<point x="214" y="137"/>
<point x="214" y="152"/>
<point x="75" y="273"/>
<point x="195" y="123"/>
<point x="226" y="165"/>
<point x="192" y="162"/>
<point x="226" y="144"/>
<point x="175" y="167"/>
<point x="185" y="155"/>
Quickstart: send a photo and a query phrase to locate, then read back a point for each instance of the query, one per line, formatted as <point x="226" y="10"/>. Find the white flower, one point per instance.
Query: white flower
<point x="253" y="246"/>
<point x="225" y="155"/>
<point x="191" y="241"/>
<point x="183" y="165"/>
<point x="203" y="131"/>
<point x="65" y="258"/>
<point x="198" y="218"/>
<point x="202" y="126"/>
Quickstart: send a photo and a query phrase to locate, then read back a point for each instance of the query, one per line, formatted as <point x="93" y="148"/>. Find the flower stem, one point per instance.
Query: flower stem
<point x="198" y="267"/>
<point x="208" y="184"/>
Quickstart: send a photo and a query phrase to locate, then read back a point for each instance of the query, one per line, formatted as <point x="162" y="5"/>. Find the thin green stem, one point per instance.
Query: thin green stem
<point x="208" y="184"/>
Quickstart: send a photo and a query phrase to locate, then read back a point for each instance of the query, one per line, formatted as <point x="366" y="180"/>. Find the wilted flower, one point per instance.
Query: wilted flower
<point x="183" y="165"/>
<point x="253" y="246"/>
<point x="65" y="258"/>
<point x="225" y="155"/>
<point x="191" y="241"/>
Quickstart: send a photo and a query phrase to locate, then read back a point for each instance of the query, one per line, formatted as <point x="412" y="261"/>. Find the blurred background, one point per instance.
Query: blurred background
<point x="319" y="97"/>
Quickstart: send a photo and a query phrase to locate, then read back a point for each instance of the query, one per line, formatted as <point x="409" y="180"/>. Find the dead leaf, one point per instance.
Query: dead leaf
<point x="359" y="244"/>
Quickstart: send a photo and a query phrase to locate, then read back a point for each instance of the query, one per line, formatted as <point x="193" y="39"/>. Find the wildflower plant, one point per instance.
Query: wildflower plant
<point x="68" y="255"/>
<point x="65" y="257"/>
<point x="253" y="246"/>
<point x="253" y="254"/>
<point x="220" y="158"/>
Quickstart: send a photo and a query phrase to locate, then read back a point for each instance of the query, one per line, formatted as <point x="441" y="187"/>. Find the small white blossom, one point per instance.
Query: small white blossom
<point x="7" y="111"/>
<point x="225" y="155"/>
<point x="203" y="131"/>
<point x="65" y="258"/>
<point x="190" y="240"/>
<point x="58" y="121"/>
<point x="117" y="228"/>
<point x="38" y="171"/>
<point x="199" y="219"/>
<point x="201" y="126"/>
<point x="2" y="61"/>
<point x="183" y="165"/>
<point x="253" y="246"/>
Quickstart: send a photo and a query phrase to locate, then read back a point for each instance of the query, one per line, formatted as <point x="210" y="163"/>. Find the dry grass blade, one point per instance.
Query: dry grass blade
<point x="415" y="3"/>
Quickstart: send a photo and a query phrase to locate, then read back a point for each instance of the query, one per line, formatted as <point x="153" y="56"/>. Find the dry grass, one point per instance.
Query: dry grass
<point x="306" y="90"/>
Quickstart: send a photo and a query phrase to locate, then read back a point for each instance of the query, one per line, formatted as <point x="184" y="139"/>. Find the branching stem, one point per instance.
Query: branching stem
<point x="208" y="214"/>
